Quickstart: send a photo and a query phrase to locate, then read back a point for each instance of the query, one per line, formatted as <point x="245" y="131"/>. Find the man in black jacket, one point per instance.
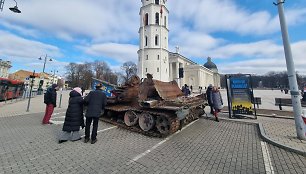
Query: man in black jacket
<point x="50" y="101"/>
<point x="95" y="101"/>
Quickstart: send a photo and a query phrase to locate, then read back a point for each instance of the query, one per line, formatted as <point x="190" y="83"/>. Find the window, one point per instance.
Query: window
<point x="157" y="57"/>
<point x="157" y="69"/>
<point x="165" y="21"/>
<point x="156" y="40"/>
<point x="146" y="41"/>
<point x="146" y="69"/>
<point x="147" y="58"/>
<point x="157" y="2"/>
<point x="157" y="18"/>
<point x="146" y="19"/>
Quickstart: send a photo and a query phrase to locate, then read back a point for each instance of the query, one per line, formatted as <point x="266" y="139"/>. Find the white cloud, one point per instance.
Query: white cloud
<point x="226" y="15"/>
<point x="13" y="46"/>
<point x="102" y="21"/>
<point x="266" y="60"/>
<point x="253" y="49"/>
<point x="104" y="29"/>
<point x="120" y="52"/>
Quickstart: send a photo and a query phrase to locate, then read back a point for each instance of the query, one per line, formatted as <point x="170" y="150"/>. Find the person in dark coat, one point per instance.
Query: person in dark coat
<point x="95" y="101"/>
<point x="209" y="98"/>
<point x="74" y="117"/>
<point x="83" y="90"/>
<point x="50" y="101"/>
<point x="217" y="101"/>
<point x="186" y="90"/>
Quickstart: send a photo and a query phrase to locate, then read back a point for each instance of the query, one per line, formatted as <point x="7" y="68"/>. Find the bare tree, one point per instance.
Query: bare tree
<point x="81" y="74"/>
<point x="130" y="69"/>
<point x="71" y="72"/>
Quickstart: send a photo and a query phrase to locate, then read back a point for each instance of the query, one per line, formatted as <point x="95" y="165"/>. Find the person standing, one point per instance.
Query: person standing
<point x="50" y="101"/>
<point x="95" y="101"/>
<point x="74" y="118"/>
<point x="217" y="101"/>
<point x="209" y="98"/>
<point x="83" y="90"/>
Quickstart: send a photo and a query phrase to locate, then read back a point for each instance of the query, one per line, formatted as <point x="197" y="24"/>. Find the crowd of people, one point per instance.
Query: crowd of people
<point x="94" y="103"/>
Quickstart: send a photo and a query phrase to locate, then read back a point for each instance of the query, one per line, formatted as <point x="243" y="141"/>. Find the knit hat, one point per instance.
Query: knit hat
<point x="210" y="85"/>
<point x="78" y="89"/>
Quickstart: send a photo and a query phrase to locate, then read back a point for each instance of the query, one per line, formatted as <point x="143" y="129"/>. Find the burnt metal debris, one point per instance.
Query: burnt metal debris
<point x="152" y="107"/>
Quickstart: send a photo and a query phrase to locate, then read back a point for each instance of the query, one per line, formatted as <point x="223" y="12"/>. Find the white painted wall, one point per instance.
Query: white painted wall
<point x="153" y="59"/>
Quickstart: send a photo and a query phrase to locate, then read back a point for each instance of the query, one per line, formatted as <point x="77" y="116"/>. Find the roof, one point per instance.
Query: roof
<point x="209" y="64"/>
<point x="24" y="73"/>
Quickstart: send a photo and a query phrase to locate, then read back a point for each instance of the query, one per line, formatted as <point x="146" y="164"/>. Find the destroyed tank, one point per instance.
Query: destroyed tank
<point x="152" y="107"/>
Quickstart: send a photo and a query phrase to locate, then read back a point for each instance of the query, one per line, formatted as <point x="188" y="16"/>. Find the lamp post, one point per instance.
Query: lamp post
<point x="13" y="9"/>
<point x="41" y="82"/>
<point x="294" y="91"/>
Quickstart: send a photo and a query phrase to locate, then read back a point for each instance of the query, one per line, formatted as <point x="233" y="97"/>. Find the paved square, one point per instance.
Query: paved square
<point x="204" y="147"/>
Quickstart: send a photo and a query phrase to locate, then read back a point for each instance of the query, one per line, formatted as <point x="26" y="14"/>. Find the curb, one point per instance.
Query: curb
<point x="268" y="139"/>
<point x="271" y="141"/>
<point x="276" y="116"/>
<point x="270" y="116"/>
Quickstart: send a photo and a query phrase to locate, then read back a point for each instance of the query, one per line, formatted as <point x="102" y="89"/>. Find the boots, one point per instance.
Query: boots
<point x="216" y="116"/>
<point x="217" y="119"/>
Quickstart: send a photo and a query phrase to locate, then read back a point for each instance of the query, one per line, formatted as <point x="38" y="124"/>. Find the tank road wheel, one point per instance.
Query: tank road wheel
<point x="146" y="121"/>
<point x="109" y="114"/>
<point x="163" y="125"/>
<point x="130" y="118"/>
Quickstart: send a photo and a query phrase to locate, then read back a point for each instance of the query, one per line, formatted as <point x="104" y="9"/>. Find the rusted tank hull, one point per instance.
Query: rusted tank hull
<point x="152" y="107"/>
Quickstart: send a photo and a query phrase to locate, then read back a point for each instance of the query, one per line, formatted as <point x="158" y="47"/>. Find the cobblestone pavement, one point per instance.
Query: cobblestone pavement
<point x="280" y="130"/>
<point x="204" y="147"/>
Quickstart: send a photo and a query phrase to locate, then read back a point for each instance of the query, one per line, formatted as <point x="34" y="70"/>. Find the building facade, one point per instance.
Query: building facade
<point x="154" y="57"/>
<point x="24" y="75"/>
<point x="4" y="68"/>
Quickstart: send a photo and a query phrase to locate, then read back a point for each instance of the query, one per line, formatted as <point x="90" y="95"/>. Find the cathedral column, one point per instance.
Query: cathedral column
<point x="170" y="71"/>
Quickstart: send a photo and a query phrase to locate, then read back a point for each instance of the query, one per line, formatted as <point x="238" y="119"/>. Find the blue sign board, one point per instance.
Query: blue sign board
<point x="106" y="87"/>
<point x="241" y="94"/>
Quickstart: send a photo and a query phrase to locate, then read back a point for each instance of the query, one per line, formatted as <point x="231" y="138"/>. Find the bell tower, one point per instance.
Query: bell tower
<point x="153" y="55"/>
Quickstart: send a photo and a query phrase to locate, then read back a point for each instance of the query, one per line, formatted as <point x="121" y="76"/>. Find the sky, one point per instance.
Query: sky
<point x="241" y="36"/>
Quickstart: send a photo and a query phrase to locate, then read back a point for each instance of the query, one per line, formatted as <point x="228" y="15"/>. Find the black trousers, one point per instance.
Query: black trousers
<point x="211" y="109"/>
<point x="94" y="128"/>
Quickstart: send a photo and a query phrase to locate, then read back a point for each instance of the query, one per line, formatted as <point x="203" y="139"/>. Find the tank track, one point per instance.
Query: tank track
<point x="175" y="124"/>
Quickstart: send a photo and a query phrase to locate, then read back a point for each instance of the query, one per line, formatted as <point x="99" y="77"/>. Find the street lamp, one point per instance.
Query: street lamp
<point x="294" y="90"/>
<point x="13" y="9"/>
<point x="41" y="82"/>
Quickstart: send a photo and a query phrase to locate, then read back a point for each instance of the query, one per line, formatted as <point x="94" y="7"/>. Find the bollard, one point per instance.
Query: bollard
<point x="60" y="102"/>
<point x="29" y="101"/>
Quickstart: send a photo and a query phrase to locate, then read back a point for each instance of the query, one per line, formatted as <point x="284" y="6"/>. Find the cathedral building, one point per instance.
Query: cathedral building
<point x="155" y="58"/>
